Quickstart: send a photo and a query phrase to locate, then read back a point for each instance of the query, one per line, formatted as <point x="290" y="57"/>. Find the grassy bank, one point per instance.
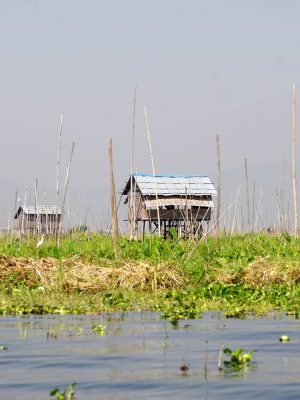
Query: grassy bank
<point x="238" y="275"/>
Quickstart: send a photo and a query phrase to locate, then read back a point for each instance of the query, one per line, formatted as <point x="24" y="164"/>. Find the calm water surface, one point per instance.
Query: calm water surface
<point x="140" y="356"/>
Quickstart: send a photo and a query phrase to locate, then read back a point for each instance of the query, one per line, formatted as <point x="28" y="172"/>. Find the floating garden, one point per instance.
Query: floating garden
<point x="239" y="275"/>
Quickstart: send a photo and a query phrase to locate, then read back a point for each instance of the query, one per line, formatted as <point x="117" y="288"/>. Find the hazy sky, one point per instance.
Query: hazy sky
<point x="201" y="67"/>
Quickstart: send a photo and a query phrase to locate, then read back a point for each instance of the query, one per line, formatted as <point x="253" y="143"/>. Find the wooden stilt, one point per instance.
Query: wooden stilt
<point x="165" y="228"/>
<point x="143" y="234"/>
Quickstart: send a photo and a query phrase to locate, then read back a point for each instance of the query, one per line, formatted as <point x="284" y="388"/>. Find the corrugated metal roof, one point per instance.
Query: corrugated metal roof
<point x="40" y="209"/>
<point x="170" y="185"/>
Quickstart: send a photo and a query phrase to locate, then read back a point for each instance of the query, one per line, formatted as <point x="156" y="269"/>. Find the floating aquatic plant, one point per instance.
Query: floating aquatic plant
<point x="64" y="395"/>
<point x="238" y="357"/>
<point x="99" y="329"/>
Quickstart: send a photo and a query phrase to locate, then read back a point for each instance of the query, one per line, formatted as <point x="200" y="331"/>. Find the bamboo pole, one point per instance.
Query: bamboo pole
<point x="57" y="175"/>
<point x="37" y="216"/>
<point x="132" y="204"/>
<point x="247" y="188"/>
<point x="64" y="195"/>
<point x="23" y="216"/>
<point x="235" y="210"/>
<point x="207" y="232"/>
<point x="16" y="206"/>
<point x="258" y="211"/>
<point x="218" y="185"/>
<point x="114" y="216"/>
<point x="283" y="195"/>
<point x="253" y="206"/>
<point x="186" y="216"/>
<point x="153" y="170"/>
<point x="294" y="162"/>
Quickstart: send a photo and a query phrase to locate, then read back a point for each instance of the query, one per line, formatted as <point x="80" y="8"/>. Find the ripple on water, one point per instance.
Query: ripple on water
<point x="140" y="357"/>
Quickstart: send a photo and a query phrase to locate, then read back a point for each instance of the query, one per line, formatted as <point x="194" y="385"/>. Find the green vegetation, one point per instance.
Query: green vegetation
<point x="180" y="279"/>
<point x="64" y="395"/>
<point x="99" y="329"/>
<point x="237" y="357"/>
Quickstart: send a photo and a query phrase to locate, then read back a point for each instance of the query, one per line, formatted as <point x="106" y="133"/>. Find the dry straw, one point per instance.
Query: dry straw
<point x="74" y="274"/>
<point x="259" y="272"/>
<point x="263" y="271"/>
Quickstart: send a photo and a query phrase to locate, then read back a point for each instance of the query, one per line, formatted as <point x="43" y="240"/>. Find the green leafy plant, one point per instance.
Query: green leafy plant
<point x="64" y="395"/>
<point x="238" y="357"/>
<point x="99" y="329"/>
<point x="115" y="300"/>
<point x="175" y="305"/>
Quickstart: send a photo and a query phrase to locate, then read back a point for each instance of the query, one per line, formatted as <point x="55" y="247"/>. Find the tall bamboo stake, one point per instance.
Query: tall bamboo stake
<point x="37" y="224"/>
<point x="235" y="209"/>
<point x="186" y="216"/>
<point x="258" y="211"/>
<point x="253" y="205"/>
<point x="294" y="162"/>
<point x="64" y="196"/>
<point x="16" y="206"/>
<point x="23" y="216"/>
<point x="218" y="185"/>
<point x="247" y="188"/>
<point x="132" y="204"/>
<point x="57" y="175"/>
<point x="153" y="170"/>
<point x="114" y="217"/>
<point x="282" y="198"/>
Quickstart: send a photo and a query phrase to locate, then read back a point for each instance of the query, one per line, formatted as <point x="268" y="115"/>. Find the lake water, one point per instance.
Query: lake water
<point x="140" y="356"/>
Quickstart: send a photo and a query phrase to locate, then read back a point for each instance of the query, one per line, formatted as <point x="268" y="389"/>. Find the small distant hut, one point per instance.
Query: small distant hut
<point x="38" y="219"/>
<point x="173" y="201"/>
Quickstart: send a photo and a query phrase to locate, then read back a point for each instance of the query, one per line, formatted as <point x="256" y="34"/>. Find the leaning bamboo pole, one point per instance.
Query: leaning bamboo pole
<point x="64" y="195"/>
<point x="207" y="232"/>
<point x="153" y="170"/>
<point x="294" y="161"/>
<point x="114" y="216"/>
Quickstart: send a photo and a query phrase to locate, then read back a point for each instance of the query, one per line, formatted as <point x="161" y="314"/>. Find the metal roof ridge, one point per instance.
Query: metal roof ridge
<point x="170" y="175"/>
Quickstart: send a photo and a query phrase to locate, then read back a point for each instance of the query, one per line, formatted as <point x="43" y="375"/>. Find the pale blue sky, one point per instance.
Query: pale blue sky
<point x="201" y="67"/>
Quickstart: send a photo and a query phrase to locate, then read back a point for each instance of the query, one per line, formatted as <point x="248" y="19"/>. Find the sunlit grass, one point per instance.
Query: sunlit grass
<point x="254" y="273"/>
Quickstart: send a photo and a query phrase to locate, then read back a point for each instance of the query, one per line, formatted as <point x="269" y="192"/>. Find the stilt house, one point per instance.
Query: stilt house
<point x="169" y="201"/>
<point x="38" y="219"/>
